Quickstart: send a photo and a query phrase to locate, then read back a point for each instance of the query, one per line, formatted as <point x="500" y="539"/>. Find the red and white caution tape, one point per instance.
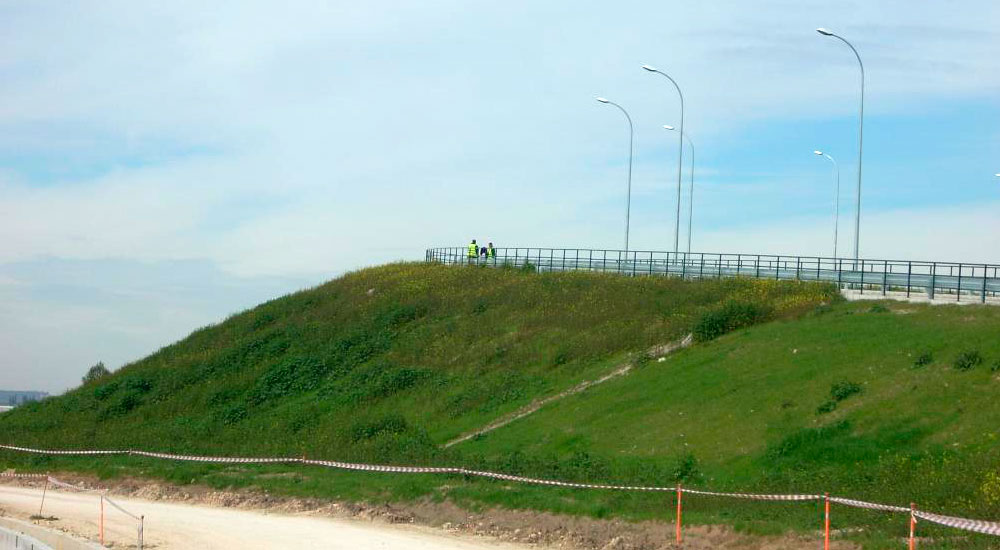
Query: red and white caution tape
<point x="72" y="487"/>
<point x="979" y="526"/>
<point x="49" y="452"/>
<point x="752" y="496"/>
<point x="216" y="459"/>
<point x="869" y="505"/>
<point x="22" y="476"/>
<point x="120" y="509"/>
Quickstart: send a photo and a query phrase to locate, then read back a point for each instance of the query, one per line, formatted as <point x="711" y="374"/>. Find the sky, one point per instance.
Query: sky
<point x="165" y="165"/>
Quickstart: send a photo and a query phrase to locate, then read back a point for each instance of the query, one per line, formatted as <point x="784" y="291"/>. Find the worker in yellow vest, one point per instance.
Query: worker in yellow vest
<point x="473" y="250"/>
<point x="491" y="252"/>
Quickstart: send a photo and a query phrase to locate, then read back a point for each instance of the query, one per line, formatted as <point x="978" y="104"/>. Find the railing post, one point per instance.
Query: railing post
<point x="650" y="262"/>
<point x="684" y="264"/>
<point x="777" y="268"/>
<point x="909" y="274"/>
<point x="862" y="277"/>
<point x="840" y="274"/>
<point x="885" y="275"/>
<point x="958" y="291"/>
<point x="933" y="279"/>
<point x="701" y="267"/>
<point x="984" y="283"/>
<point x="758" y="267"/>
<point x="798" y="267"/>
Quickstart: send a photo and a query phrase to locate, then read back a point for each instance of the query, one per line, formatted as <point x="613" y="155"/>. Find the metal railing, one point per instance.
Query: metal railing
<point x="973" y="280"/>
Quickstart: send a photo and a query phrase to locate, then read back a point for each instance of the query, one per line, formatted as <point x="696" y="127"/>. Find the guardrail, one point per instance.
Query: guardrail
<point x="972" y="280"/>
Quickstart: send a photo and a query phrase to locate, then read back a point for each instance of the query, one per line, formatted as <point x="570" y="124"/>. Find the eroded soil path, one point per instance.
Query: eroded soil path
<point x="656" y="352"/>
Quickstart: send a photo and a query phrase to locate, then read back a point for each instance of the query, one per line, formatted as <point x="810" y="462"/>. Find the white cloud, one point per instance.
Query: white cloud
<point x="309" y="138"/>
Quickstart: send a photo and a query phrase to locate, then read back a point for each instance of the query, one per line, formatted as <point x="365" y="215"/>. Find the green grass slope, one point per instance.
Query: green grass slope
<point x="892" y="402"/>
<point x="383" y="364"/>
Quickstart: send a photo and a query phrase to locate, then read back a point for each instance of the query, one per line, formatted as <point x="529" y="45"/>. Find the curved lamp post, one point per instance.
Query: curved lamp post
<point x="861" y="119"/>
<point x="836" y="203"/>
<point x="680" y="155"/>
<point x="691" y="186"/>
<point x="628" y="184"/>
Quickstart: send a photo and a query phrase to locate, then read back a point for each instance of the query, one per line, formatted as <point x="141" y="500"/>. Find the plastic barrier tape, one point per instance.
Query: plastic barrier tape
<point x="978" y="526"/>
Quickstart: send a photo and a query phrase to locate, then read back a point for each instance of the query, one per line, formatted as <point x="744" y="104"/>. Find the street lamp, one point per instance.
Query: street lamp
<point x="680" y="155"/>
<point x="861" y="119"/>
<point x="628" y="184"/>
<point x="836" y="203"/>
<point x="690" y="198"/>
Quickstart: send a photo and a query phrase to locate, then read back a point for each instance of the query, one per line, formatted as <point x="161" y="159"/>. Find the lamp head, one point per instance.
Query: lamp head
<point x="602" y="100"/>
<point x="997" y="175"/>
<point x="818" y="153"/>
<point x="824" y="32"/>
<point x="648" y="68"/>
<point x="668" y="127"/>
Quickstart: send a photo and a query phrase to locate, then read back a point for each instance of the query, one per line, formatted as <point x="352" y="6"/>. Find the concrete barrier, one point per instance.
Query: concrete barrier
<point x="22" y="535"/>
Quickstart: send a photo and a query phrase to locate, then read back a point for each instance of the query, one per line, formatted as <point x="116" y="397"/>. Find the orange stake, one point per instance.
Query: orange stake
<point x="913" y="525"/>
<point x="679" y="491"/>
<point x="826" y="522"/>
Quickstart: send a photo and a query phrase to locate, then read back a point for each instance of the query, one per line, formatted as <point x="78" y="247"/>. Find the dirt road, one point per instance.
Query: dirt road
<point x="185" y="527"/>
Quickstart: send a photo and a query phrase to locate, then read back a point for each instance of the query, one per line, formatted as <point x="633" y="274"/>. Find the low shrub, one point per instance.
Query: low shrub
<point x="731" y="316"/>
<point x="686" y="468"/>
<point x="138" y="384"/>
<point x="842" y="390"/>
<point x="233" y="414"/>
<point x="827" y="407"/>
<point x="839" y="391"/>
<point x="107" y="390"/>
<point x="967" y="360"/>
<point x="368" y="429"/>
<point x="924" y="359"/>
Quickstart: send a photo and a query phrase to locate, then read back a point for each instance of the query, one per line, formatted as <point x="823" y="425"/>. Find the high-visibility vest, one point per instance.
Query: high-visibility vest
<point x="473" y="250"/>
<point x="490" y="252"/>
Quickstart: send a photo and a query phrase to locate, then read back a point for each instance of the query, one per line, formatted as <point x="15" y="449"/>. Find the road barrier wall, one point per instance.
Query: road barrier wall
<point x="14" y="537"/>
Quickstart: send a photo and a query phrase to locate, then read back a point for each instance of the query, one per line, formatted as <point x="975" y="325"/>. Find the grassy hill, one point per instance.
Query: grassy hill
<point x="888" y="402"/>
